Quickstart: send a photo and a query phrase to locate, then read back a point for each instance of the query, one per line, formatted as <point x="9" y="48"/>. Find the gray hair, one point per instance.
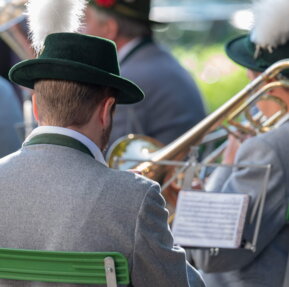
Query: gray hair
<point x="126" y="27"/>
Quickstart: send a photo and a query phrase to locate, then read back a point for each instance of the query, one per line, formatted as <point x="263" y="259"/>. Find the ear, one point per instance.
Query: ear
<point x="35" y="108"/>
<point x="111" y="29"/>
<point x="105" y="111"/>
<point x="95" y="25"/>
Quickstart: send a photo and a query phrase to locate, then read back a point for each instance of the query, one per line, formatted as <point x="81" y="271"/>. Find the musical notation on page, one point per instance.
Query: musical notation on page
<point x="206" y="219"/>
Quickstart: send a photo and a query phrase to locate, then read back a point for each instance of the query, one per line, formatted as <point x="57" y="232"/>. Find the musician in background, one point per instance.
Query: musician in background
<point x="10" y="116"/>
<point x="173" y="102"/>
<point x="267" y="43"/>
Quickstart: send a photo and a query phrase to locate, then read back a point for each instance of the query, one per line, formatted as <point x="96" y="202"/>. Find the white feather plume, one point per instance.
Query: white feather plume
<point x="271" y="27"/>
<point x="53" y="16"/>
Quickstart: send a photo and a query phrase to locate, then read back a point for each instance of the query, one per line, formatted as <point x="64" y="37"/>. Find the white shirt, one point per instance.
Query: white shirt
<point x="94" y="149"/>
<point x="127" y="48"/>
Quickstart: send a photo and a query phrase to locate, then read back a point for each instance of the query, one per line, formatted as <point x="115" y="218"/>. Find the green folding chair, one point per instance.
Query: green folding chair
<point x="110" y="268"/>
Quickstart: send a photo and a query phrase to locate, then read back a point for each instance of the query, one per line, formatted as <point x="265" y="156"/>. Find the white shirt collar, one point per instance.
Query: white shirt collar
<point x="127" y="48"/>
<point x="94" y="149"/>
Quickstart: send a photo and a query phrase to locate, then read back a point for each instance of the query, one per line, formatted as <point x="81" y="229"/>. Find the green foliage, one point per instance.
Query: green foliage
<point x="216" y="75"/>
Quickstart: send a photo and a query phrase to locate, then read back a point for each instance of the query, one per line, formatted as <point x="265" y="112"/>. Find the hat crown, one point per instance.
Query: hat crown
<point x="82" y="49"/>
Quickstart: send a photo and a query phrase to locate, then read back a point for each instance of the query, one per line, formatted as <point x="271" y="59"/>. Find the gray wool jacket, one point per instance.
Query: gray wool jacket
<point x="265" y="267"/>
<point x="57" y="198"/>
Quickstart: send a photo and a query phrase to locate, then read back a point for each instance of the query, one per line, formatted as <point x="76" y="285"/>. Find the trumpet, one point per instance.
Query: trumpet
<point x="149" y="151"/>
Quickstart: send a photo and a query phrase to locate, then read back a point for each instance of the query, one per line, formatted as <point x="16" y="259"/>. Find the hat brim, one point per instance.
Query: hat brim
<point x="26" y="73"/>
<point x="238" y="50"/>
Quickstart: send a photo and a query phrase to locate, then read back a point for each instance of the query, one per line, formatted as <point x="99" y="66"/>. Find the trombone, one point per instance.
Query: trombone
<point x="133" y="145"/>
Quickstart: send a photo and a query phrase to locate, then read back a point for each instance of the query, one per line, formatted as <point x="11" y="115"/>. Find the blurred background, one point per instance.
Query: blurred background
<point x="196" y="33"/>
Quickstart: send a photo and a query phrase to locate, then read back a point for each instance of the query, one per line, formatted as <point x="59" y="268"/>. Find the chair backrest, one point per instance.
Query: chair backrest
<point x="94" y="268"/>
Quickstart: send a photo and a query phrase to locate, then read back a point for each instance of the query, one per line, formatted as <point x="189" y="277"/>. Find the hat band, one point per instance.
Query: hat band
<point x="262" y="57"/>
<point x="124" y="10"/>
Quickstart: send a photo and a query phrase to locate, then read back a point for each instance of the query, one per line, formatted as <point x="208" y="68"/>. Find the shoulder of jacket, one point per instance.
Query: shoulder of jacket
<point x="132" y="180"/>
<point x="276" y="135"/>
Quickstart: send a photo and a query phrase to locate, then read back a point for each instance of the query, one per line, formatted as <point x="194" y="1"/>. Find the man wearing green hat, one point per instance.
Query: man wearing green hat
<point x="267" y="43"/>
<point x="173" y="103"/>
<point x="57" y="192"/>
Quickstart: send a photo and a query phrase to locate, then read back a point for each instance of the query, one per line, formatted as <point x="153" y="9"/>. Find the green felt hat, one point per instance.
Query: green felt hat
<point x="138" y="10"/>
<point x="243" y="51"/>
<point x="78" y="58"/>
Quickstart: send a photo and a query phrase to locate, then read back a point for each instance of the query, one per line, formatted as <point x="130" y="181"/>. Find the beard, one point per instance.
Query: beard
<point x="105" y="135"/>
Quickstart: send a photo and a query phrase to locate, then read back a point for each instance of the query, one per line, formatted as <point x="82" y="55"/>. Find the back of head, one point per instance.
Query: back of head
<point x="66" y="103"/>
<point x="126" y="27"/>
<point x="132" y="17"/>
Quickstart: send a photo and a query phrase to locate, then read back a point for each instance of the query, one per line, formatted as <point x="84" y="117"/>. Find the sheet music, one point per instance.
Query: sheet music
<point x="206" y="219"/>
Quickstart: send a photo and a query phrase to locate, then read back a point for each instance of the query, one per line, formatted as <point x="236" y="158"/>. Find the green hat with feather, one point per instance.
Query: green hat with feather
<point x="268" y="42"/>
<point x="70" y="56"/>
